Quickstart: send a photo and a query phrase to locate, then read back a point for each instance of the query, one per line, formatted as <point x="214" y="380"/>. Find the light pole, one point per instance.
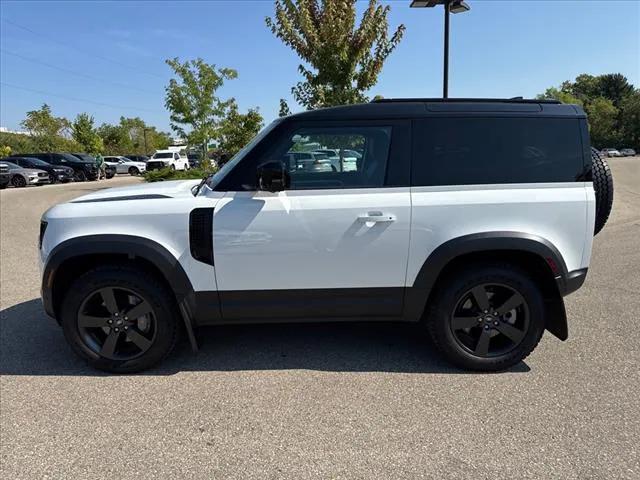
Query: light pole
<point x="453" y="6"/>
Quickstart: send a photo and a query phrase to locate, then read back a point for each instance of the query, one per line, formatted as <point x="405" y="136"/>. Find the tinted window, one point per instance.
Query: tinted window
<point x="468" y="151"/>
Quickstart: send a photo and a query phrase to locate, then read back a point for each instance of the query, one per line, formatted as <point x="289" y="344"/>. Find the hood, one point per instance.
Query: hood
<point x="172" y="189"/>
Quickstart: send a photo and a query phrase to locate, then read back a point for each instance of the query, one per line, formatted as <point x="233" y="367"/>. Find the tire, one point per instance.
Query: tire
<point x="603" y="187"/>
<point x="455" y="306"/>
<point x="139" y="343"/>
<point x="3" y="186"/>
<point x="133" y="171"/>
<point x="173" y="167"/>
<point x="81" y="176"/>
<point x="18" y="181"/>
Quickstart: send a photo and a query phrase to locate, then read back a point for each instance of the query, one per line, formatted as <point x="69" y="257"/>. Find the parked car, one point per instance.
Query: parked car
<point x="449" y="221"/>
<point x="346" y="163"/>
<point x="5" y="176"/>
<point x="308" y="161"/>
<point x="109" y="171"/>
<point x="611" y="152"/>
<point x="83" y="169"/>
<point x="628" y="152"/>
<point x="194" y="160"/>
<point x="124" y="165"/>
<point x="56" y="173"/>
<point x="21" y="177"/>
<point x="137" y="158"/>
<point x="171" y="158"/>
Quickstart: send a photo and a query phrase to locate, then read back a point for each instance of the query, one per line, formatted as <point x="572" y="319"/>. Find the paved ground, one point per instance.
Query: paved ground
<point x="326" y="401"/>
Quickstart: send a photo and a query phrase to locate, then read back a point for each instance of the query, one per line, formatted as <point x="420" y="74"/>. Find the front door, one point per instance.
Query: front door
<point x="332" y="245"/>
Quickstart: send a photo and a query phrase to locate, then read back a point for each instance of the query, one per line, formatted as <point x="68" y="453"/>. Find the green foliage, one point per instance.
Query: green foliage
<point x="85" y="134"/>
<point x="630" y="119"/>
<point x="48" y="132"/>
<point x="237" y="129"/>
<point x="5" y="151"/>
<point x="344" y="60"/>
<point x="284" y="108"/>
<point x="168" y="174"/>
<point x="132" y="136"/>
<point x="611" y="104"/>
<point x="602" y="116"/>
<point x="192" y="102"/>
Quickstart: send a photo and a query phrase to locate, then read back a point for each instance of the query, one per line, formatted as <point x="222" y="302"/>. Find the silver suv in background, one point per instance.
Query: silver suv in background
<point x="21" y="177"/>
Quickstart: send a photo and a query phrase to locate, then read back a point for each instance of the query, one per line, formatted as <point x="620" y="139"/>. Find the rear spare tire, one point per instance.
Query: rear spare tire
<point x="603" y="187"/>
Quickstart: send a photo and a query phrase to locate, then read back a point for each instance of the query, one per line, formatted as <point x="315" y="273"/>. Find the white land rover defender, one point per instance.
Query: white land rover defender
<point x="473" y="217"/>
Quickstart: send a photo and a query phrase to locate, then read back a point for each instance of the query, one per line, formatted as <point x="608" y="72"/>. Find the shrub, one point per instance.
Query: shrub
<point x="168" y="174"/>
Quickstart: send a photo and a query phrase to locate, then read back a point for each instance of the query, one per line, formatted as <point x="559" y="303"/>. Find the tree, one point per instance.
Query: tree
<point x="132" y="136"/>
<point x="48" y="131"/>
<point x="344" y="60"/>
<point x="85" y="134"/>
<point x="615" y="87"/>
<point x="237" y="129"/>
<point x="556" y="94"/>
<point x="192" y="100"/>
<point x="284" y="108"/>
<point x="602" y="122"/>
<point x="630" y="120"/>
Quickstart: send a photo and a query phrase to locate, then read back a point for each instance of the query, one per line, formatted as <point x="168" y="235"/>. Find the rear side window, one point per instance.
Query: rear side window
<point x="476" y="151"/>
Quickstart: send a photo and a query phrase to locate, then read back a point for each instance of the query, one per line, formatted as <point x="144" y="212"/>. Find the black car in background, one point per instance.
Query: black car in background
<point x="83" y="170"/>
<point x="109" y="171"/>
<point x="57" y="173"/>
<point x="137" y="158"/>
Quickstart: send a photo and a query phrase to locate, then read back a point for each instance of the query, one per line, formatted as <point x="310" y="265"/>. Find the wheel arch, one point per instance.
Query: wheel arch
<point x="78" y="255"/>
<point x="535" y="254"/>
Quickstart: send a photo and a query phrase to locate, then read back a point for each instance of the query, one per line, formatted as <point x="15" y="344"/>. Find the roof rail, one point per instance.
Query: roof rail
<point x="465" y="100"/>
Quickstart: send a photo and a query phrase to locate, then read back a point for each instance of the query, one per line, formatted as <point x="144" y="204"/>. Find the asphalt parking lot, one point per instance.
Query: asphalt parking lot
<point x="325" y="401"/>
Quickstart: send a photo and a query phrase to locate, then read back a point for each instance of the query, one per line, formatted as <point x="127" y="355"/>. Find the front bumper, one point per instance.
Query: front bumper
<point x="156" y="165"/>
<point x="39" y="180"/>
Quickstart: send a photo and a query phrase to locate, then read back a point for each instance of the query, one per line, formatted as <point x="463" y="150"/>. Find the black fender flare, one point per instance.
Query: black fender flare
<point x="130" y="246"/>
<point x="417" y="295"/>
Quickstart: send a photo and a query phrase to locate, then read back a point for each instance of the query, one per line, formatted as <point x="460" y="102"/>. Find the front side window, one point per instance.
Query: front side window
<point x="304" y="152"/>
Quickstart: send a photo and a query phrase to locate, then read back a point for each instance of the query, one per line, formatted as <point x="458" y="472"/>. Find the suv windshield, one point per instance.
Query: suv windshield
<point x="84" y="157"/>
<point x="163" y="155"/>
<point x="37" y="161"/>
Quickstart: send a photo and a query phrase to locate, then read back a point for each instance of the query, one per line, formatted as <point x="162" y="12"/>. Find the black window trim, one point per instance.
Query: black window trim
<point x="399" y="158"/>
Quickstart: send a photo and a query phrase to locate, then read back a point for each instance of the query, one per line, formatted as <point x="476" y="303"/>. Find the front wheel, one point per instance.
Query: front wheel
<point x="81" y="176"/>
<point x="133" y="171"/>
<point x="18" y="181"/>
<point x="120" y="319"/>
<point x="486" y="317"/>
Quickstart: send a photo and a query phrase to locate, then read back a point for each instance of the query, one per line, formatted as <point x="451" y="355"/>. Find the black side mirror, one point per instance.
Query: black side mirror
<point x="273" y="177"/>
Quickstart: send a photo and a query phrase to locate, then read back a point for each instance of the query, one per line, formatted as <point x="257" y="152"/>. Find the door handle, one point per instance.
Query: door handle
<point x="377" y="217"/>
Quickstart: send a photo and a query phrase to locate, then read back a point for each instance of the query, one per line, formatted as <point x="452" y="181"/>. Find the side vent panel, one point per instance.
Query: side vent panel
<point x="201" y="234"/>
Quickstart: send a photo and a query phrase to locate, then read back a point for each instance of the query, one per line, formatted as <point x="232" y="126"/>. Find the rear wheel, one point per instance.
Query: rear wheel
<point x="486" y="317"/>
<point x="120" y="319"/>
<point x="18" y="181"/>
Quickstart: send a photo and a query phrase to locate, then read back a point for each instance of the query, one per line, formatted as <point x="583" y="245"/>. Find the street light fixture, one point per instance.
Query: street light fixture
<point x="453" y="6"/>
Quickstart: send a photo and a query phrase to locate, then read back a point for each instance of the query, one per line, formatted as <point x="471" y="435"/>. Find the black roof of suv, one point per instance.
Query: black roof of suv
<point x="425" y="107"/>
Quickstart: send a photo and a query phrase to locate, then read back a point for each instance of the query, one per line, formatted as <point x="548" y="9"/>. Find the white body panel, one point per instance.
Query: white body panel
<point x="311" y="239"/>
<point x="561" y="213"/>
<point x="165" y="221"/>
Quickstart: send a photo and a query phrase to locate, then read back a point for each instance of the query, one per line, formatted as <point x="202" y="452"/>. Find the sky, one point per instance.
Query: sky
<point x="107" y="58"/>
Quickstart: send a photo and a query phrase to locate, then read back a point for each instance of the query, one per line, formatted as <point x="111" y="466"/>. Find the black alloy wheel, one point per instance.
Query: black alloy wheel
<point x="490" y="320"/>
<point x="117" y="323"/>
<point x="18" y="181"/>
<point x="133" y="171"/>
<point x="81" y="176"/>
